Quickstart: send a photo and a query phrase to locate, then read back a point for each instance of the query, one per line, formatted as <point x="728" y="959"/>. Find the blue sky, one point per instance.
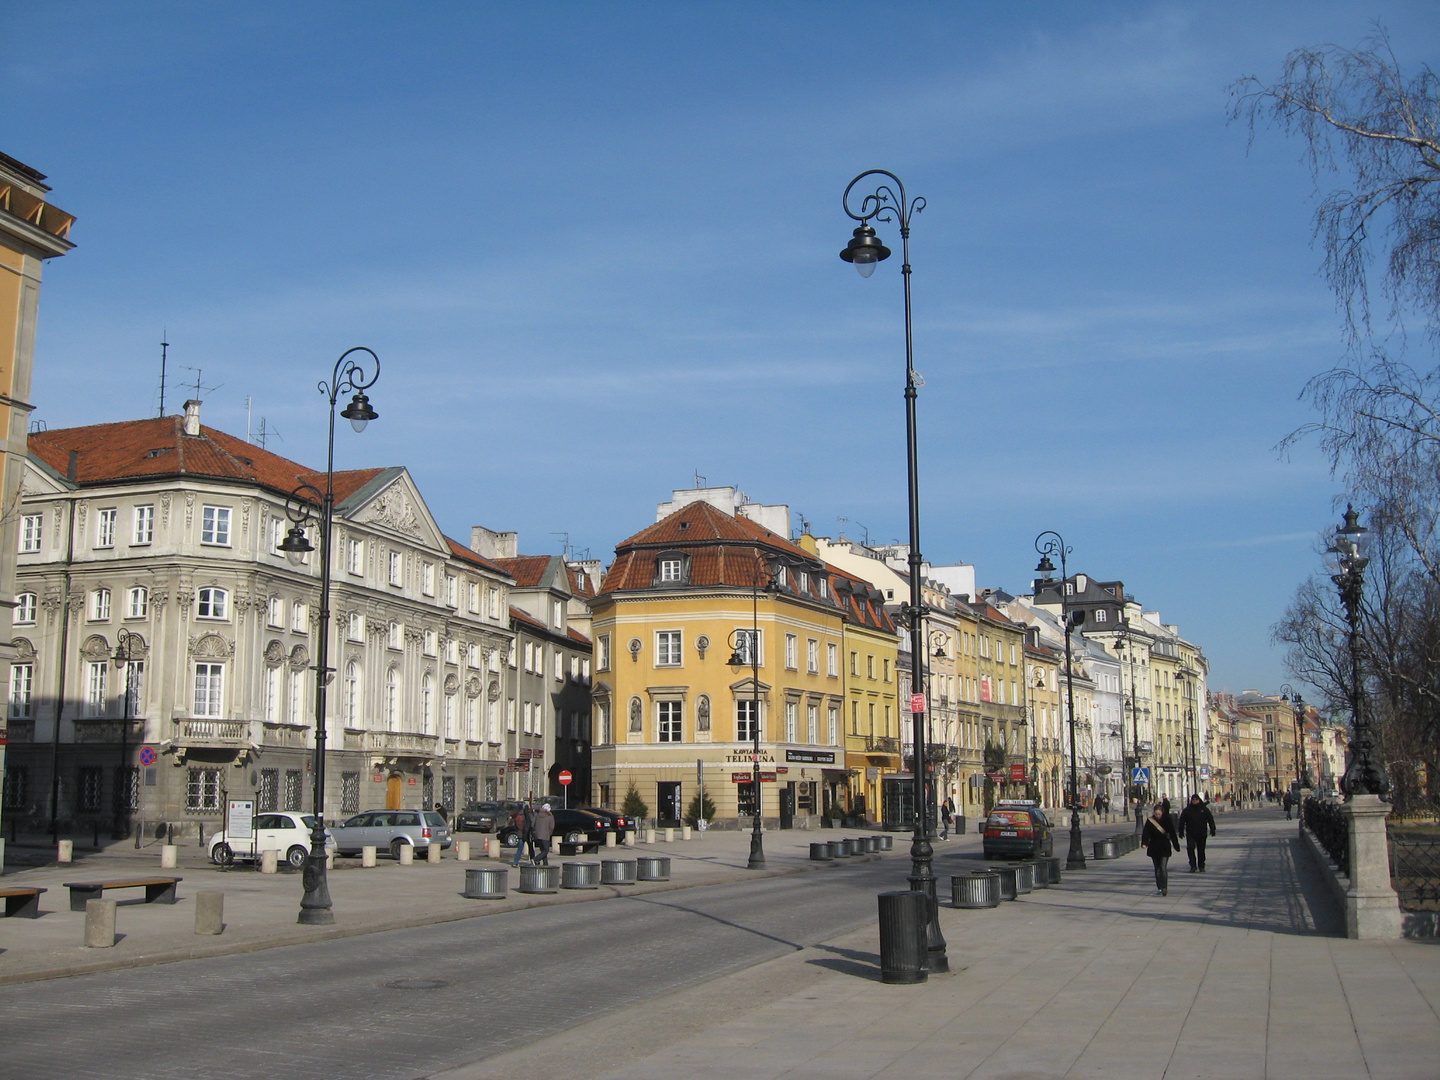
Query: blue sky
<point x="595" y="247"/>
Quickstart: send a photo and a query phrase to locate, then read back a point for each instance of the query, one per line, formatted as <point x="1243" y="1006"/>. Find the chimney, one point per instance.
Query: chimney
<point x="192" y="417"/>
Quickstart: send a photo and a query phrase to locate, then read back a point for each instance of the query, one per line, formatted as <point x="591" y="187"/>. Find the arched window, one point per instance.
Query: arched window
<point x="137" y="603"/>
<point x="352" y="695"/>
<point x="392" y="700"/>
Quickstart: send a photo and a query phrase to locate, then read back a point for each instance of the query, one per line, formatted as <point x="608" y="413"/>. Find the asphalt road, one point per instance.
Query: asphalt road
<point x="408" y="1003"/>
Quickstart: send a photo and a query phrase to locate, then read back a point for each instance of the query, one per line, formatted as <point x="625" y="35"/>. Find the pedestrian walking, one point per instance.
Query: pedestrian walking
<point x="947" y="811"/>
<point x="1160" y="842"/>
<point x="542" y="831"/>
<point x="522" y="819"/>
<point x="444" y="813"/>
<point x="1289" y="802"/>
<point x="1195" y="819"/>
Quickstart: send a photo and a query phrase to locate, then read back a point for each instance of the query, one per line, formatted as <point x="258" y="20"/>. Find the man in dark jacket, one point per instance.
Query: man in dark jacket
<point x="1195" y="820"/>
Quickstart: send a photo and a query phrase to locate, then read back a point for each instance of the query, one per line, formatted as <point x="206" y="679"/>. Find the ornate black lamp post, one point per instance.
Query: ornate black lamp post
<point x="128" y="647"/>
<point x="1297" y="705"/>
<point x="1365" y="775"/>
<point x="1134" y="729"/>
<point x="864" y="251"/>
<point x="1050" y="543"/>
<point x="348" y="378"/>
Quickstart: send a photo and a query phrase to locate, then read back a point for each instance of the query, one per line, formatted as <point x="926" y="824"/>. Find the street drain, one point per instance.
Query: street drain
<point x="415" y="984"/>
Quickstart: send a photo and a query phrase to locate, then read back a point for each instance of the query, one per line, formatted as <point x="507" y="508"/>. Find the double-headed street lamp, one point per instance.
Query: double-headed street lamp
<point x="348" y="378"/>
<point x="128" y="648"/>
<point x="1364" y="775"/>
<point x="745" y="649"/>
<point x="1050" y="543"/>
<point x="888" y="202"/>
<point x="1297" y="705"/>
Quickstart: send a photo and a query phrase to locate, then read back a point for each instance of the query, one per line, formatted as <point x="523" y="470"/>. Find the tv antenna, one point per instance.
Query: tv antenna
<point x="164" y="350"/>
<point x="564" y="544"/>
<point x="257" y="438"/>
<point x="699" y="480"/>
<point x="200" y="387"/>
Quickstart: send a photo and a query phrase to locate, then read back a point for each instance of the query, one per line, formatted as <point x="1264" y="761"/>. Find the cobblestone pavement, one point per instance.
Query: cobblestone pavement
<point x="1236" y="974"/>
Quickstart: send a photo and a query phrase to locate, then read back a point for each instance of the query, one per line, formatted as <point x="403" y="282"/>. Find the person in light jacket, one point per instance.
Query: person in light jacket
<point x="543" y="830"/>
<point x="1160" y="842"/>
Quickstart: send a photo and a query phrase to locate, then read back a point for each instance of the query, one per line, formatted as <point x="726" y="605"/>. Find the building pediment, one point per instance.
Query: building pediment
<point x="393" y="505"/>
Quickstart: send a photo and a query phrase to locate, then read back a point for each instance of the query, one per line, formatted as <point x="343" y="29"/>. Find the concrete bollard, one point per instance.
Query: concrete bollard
<point x="669" y="836"/>
<point x="66" y="851"/>
<point x="407" y="854"/>
<point x="433" y="854"/>
<point x="462" y="850"/>
<point x="609" y="839"/>
<point x="330" y="860"/>
<point x="168" y="854"/>
<point x="554" y="845"/>
<point x="367" y="855"/>
<point x="630" y="839"/>
<point x="209" y="912"/>
<point x="270" y="861"/>
<point x="99" y="924"/>
<point x="649" y="836"/>
<point x="684" y="832"/>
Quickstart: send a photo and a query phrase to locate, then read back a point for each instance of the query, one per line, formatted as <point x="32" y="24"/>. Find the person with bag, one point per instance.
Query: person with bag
<point x="523" y="821"/>
<point x="1160" y="842"/>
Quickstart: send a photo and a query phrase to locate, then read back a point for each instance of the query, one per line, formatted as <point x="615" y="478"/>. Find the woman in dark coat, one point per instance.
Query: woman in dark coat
<point x="1160" y="842"/>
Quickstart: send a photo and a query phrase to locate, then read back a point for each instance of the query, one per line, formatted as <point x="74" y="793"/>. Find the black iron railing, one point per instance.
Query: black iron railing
<point x="1415" y="871"/>
<point x="1327" y="822"/>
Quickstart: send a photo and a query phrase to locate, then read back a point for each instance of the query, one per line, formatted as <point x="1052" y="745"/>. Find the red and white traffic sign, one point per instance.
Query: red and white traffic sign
<point x="565" y="777"/>
<point x="917" y="702"/>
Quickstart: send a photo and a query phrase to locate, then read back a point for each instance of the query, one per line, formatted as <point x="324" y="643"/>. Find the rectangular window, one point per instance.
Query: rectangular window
<point x="602" y="662"/>
<point x="268" y="797"/>
<point x="430" y="645"/>
<point x="557" y="613"/>
<point x="215" y="525"/>
<point x="22" y="689"/>
<point x="667" y="648"/>
<point x="293" y="788"/>
<point x="748" y="646"/>
<point x="792" y="649"/>
<point x="127" y="788"/>
<point x="137" y="604"/>
<point x="100" y="605"/>
<point x="792" y="710"/>
<point x="209" y="689"/>
<point x="473" y="589"/>
<point x="494" y="603"/>
<point x="427" y="579"/>
<point x="88" y="788"/>
<point x="105" y="527"/>
<point x="144" y="530"/>
<point x="25" y="608"/>
<point x="350" y="793"/>
<point x="452" y="590"/>
<point x="275" y="612"/>
<point x="355" y="627"/>
<point x="812" y="656"/>
<point x="300" y="617"/>
<point x="355" y="556"/>
<point x="396" y="636"/>
<point x="134" y="686"/>
<point x="670" y="570"/>
<point x="869" y="666"/>
<point x="202" y="791"/>
<point x="510" y="714"/>
<point x="854" y="665"/>
<point x="30" y="532"/>
<point x="557" y="665"/>
<point x="832" y="726"/>
<point x="472" y="789"/>
<point x="668" y="716"/>
<point x="212" y="603"/>
<point x="812" y="723"/>
<point x="747" y="710"/>
<point x="397" y="568"/>
<point x="452" y="651"/>
<point x="886" y="668"/>
<point x="832" y="660"/>
<point x="17" y="787"/>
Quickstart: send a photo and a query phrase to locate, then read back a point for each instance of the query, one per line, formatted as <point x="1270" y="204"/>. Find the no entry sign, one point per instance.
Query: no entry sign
<point x="565" y="776"/>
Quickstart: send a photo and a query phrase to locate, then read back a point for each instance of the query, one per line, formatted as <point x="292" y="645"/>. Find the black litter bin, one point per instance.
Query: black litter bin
<point x="903" y="916"/>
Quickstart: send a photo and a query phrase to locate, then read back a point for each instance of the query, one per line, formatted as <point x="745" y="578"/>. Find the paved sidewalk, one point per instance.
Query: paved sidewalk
<point x="261" y="909"/>
<point x="1236" y="974"/>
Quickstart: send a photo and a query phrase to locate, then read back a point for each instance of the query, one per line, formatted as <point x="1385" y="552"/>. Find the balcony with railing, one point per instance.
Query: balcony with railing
<point x="224" y="734"/>
<point x="402" y="743"/>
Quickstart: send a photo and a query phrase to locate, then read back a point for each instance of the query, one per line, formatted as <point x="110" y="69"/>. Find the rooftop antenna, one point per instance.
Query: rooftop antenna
<point x="564" y="544"/>
<point x="199" y="386"/>
<point x="699" y="480"/>
<point x="265" y="431"/>
<point x="164" y="351"/>
<point x="248" y="402"/>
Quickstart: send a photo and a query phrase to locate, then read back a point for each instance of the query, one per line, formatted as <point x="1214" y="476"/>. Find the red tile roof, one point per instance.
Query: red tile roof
<point x="527" y="570"/>
<point x="463" y="553"/>
<point x="516" y="615"/>
<point x="577" y="636"/>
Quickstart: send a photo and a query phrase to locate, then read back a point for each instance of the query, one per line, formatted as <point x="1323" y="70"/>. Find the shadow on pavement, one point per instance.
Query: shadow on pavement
<point x="862" y="965"/>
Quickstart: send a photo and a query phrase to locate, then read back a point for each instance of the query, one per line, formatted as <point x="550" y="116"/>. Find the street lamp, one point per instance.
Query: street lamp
<point x="1134" y="725"/>
<point x="127" y="646"/>
<point x="1050" y="543"/>
<point x="1297" y="705"/>
<point x="864" y="251"/>
<point x="1365" y="775"/>
<point x="347" y="378"/>
<point x="745" y="649"/>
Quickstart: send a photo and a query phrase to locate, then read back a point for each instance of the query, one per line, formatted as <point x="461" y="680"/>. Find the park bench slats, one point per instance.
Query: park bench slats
<point x="158" y="890"/>
<point x="22" y="903"/>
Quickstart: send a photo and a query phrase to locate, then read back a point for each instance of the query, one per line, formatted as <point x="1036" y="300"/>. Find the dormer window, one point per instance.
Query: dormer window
<point x="672" y="568"/>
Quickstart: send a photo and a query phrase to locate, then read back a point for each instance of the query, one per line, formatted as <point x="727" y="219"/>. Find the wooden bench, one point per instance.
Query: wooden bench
<point x="158" y="890"/>
<point x="24" y="903"/>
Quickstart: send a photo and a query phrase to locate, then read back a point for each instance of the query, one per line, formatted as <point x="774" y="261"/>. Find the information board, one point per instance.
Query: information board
<point x="239" y="820"/>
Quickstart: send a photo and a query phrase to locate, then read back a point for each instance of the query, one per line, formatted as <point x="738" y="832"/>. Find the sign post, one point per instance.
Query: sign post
<point x="565" y="777"/>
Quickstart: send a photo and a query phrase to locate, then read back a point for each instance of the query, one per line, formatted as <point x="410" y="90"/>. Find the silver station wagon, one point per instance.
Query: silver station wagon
<point x="392" y="830"/>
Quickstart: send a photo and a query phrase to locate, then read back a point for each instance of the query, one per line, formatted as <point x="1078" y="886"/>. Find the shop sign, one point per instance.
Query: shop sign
<point x="811" y="757"/>
<point x="746" y="778"/>
<point x="1017" y="772"/>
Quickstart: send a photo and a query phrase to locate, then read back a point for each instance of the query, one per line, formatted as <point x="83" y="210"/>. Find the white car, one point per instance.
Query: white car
<point x="284" y="831"/>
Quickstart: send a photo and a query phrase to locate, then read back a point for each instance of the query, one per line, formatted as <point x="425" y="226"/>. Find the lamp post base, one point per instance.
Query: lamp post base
<point x="922" y="879"/>
<point x="757" y="849"/>
<point x="315" y="905"/>
<point x="1075" y="859"/>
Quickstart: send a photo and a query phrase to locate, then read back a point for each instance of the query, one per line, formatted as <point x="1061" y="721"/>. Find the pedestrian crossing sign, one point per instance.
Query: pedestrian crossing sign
<point x="1140" y="776"/>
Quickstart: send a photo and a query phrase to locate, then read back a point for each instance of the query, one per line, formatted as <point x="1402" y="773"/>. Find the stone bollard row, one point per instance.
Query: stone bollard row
<point x="462" y="850"/>
<point x="433" y="854"/>
<point x="407" y="855"/>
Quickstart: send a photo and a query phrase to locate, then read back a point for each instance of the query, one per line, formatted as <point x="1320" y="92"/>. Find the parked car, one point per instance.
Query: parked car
<point x="484" y="817"/>
<point x="571" y="826"/>
<point x="392" y="830"/>
<point x="622" y="823"/>
<point x="1017" y="829"/>
<point x="285" y="831"/>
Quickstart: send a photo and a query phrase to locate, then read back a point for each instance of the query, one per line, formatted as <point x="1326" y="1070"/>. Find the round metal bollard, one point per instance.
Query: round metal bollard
<point x="1024" y="877"/>
<point x="865" y="845"/>
<point x="977" y="889"/>
<point x="1106" y="849"/>
<point x="617" y="871"/>
<point x="652" y="868"/>
<point x="820" y="852"/>
<point x="847" y="848"/>
<point x="1039" y="873"/>
<point x="486" y="883"/>
<point x="837" y="849"/>
<point x="1006" y="874"/>
<point x="884" y="843"/>
<point x="903" y="916"/>
<point x="580" y="875"/>
<point x="539" y="879"/>
<point x="1052" y="864"/>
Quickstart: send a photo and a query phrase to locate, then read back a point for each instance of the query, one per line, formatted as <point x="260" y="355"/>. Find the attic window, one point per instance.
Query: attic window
<point x="158" y="451"/>
<point x="684" y="525"/>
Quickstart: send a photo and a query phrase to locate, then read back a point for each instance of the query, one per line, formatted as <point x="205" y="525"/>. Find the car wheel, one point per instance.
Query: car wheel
<point x="509" y="838"/>
<point x="296" y="856"/>
<point x="221" y="855"/>
<point x="574" y="837"/>
<point x="396" y="845"/>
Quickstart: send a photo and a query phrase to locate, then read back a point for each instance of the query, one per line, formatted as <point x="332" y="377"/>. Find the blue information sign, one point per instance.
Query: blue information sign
<point x="1140" y="776"/>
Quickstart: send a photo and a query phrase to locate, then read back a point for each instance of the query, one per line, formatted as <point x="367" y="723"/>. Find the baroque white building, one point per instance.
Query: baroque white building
<point x="148" y="560"/>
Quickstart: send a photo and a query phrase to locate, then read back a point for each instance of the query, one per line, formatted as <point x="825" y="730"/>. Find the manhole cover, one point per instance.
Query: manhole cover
<point x="415" y="984"/>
